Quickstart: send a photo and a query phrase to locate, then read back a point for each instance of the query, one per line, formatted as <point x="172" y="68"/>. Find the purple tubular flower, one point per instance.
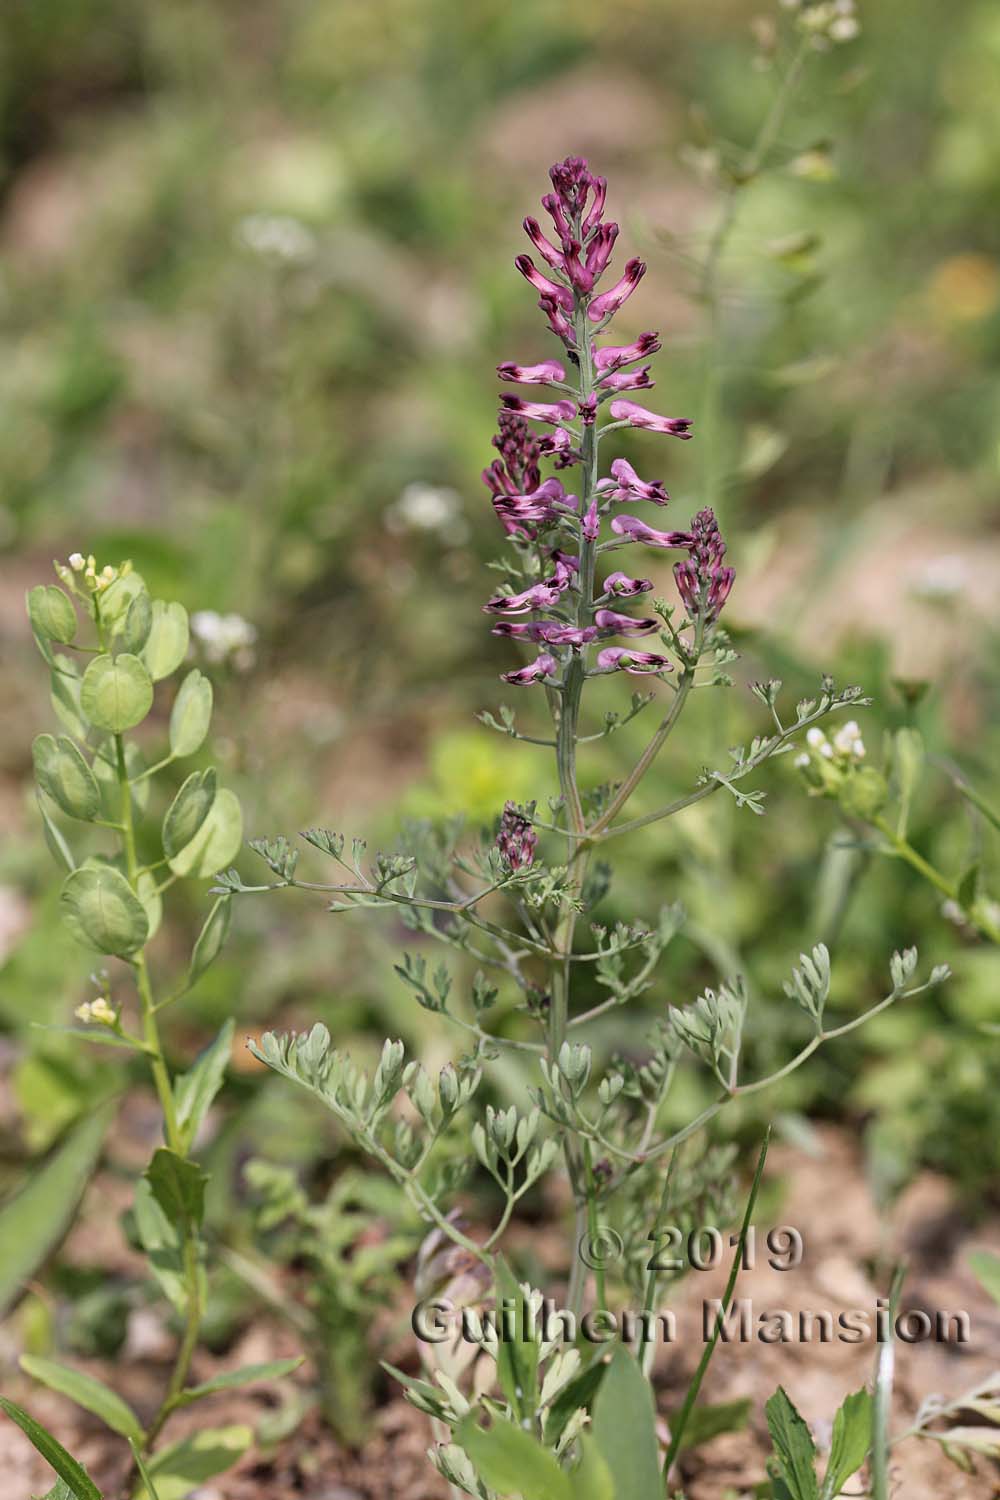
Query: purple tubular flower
<point x="638" y="416"/>
<point x="638" y="663"/>
<point x="541" y="374"/>
<point x="516" y="839"/>
<point x="542" y="505"/>
<point x="611" y="300"/>
<point x="538" y="596"/>
<point x="544" y="246"/>
<point x="626" y="487"/>
<point x="702" y="581"/>
<point x="579" y="274"/>
<point x="559" y="444"/>
<point x="627" y="380"/>
<point x="615" y="624"/>
<point x="551" y="632"/>
<point x="558" y="321"/>
<point x="591" y="524"/>
<point x="600" y="247"/>
<point x="638" y="531"/>
<point x="623" y="587"/>
<point x="555" y="210"/>
<point x="554" y="412"/>
<point x="616" y="355"/>
<point x="600" y="189"/>
<point x="588" y="410"/>
<point x="543" y="666"/>
<point x="561" y="295"/>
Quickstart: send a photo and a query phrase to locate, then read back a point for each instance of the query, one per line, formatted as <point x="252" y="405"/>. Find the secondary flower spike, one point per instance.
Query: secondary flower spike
<point x="556" y="538"/>
<point x="516" y="839"/>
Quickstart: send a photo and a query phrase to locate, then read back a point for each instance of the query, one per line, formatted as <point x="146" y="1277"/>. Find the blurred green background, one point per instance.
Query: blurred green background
<point x="256" y="275"/>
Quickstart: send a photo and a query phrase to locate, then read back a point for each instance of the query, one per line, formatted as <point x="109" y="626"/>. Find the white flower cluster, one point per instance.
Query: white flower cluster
<point x="826" y="21"/>
<point x="96" y="581"/>
<point x="225" y="638"/>
<point x="847" y="744"/>
<point x="428" y="507"/>
<point x="97" y="1011"/>
<point x="277" y="236"/>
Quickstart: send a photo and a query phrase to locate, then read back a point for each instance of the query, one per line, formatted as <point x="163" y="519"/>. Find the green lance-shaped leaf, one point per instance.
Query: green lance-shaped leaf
<point x="275" y="1369"/>
<point x="34" y="1221"/>
<point x="137" y="623"/>
<point x="852" y="1438"/>
<point x="181" y="1467"/>
<point x="210" y="939"/>
<point x="191" y="714"/>
<point x="161" y="1241"/>
<point x="217" y="842"/>
<point x="73" y="1474"/>
<point x="115" y="601"/>
<point x="65" y="689"/>
<point x="62" y="772"/>
<point x="195" y="1090"/>
<point x="188" y="811"/>
<point x="87" y="1392"/>
<point x="167" y="643"/>
<point x="102" y="911"/>
<point x="116" y="693"/>
<point x="624" y="1429"/>
<point x="794" y="1449"/>
<point x="512" y="1462"/>
<point x="178" y="1186"/>
<point x="592" y="1479"/>
<point x="51" y="613"/>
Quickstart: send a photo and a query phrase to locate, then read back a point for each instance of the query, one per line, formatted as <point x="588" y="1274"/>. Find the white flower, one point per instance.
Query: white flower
<point x="277" y="235"/>
<point x="225" y="637"/>
<point x="428" y="507"/>
<point x="844" y="29"/>
<point x="848" y="741"/>
<point x="802" y="761"/>
<point x="96" y="1010"/>
<point x="815" y="737"/>
<point x="77" y="561"/>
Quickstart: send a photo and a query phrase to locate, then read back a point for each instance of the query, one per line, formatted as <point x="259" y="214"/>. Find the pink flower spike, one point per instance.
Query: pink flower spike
<point x="545" y="247"/>
<point x="623" y="587"/>
<point x="611" y="300"/>
<point x="626" y="486"/>
<point x="638" y="416"/>
<point x="540" y="374"/>
<point x="638" y="531"/>
<point x="617" y="624"/>
<point x="543" y="666"/>
<point x="561" y="295"/>
<point x="615" y="355"/>
<point x="554" y="412"/>
<point x="638" y="663"/>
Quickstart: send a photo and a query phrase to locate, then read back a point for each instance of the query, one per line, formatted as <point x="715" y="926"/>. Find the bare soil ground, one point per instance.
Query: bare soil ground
<point x="826" y="1199"/>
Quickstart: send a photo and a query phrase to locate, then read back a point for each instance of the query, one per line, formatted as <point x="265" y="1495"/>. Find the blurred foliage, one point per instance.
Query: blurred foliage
<point x="256" y="276"/>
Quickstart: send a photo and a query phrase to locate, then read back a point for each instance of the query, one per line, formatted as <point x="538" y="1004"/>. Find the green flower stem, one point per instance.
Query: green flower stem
<point x="593" y="1227"/>
<point x="948" y="888"/>
<point x="151" y="1035"/>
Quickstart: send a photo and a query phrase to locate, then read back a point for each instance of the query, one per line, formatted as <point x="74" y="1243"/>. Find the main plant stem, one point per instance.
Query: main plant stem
<point x="171" y="1130"/>
<point x="577" y="854"/>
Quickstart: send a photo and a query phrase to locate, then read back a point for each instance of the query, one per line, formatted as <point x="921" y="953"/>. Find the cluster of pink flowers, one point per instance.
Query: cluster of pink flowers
<point x="564" y="530"/>
<point x="516" y="839"/>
